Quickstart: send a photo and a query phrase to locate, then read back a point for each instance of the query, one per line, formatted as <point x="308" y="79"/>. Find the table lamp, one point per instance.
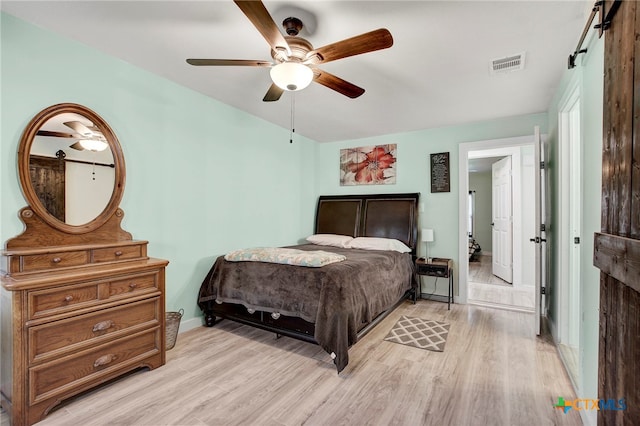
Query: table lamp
<point x="427" y="237"/>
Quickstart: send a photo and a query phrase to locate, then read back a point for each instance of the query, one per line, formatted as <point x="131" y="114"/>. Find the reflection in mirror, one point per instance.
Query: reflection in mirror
<point x="72" y="168"/>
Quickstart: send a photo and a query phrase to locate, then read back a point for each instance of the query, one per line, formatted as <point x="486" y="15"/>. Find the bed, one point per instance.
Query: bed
<point x="333" y="305"/>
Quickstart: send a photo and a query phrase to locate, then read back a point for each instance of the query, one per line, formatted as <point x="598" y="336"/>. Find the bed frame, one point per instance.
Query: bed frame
<point x="380" y="215"/>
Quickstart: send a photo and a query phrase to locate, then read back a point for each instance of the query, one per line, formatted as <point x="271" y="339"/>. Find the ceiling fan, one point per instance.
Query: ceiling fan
<point x="295" y="59"/>
<point x="89" y="137"/>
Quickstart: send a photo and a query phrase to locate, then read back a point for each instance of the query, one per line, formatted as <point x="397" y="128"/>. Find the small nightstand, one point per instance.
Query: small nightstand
<point x="439" y="268"/>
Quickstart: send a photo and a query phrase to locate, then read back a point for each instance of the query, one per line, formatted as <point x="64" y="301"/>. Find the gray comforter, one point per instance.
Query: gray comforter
<point x="338" y="298"/>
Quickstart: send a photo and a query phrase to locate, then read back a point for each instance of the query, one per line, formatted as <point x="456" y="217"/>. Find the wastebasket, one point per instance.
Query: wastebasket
<point x="172" y="324"/>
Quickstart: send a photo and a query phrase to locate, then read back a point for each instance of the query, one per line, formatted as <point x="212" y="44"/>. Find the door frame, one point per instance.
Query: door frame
<point x="569" y="324"/>
<point x="463" y="178"/>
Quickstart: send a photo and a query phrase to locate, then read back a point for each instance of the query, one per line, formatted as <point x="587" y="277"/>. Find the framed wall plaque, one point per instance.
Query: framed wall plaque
<point x="440" y="173"/>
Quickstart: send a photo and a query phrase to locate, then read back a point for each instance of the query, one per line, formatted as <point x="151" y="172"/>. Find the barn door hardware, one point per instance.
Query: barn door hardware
<point x="585" y="31"/>
<point x="605" y="23"/>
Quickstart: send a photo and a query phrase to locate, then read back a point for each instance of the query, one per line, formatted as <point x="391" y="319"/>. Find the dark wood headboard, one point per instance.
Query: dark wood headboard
<point x="379" y="215"/>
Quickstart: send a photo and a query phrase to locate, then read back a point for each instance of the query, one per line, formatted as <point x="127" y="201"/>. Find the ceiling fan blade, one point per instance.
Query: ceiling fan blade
<point x="262" y="20"/>
<point x="363" y="43"/>
<point x="229" y="62"/>
<point x="77" y="146"/>
<point x="273" y="94"/>
<point x="336" y="83"/>
<point x="54" y="134"/>
<point x="79" y="128"/>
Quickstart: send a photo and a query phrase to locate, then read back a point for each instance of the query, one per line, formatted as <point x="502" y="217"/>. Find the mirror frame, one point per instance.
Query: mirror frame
<point x="24" y="153"/>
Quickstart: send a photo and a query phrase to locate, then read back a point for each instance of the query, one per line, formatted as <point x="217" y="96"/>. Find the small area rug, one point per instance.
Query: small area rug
<point x="419" y="333"/>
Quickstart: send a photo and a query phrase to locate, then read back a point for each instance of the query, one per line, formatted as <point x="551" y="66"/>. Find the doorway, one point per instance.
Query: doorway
<point x="482" y="247"/>
<point x="570" y="189"/>
<point x="518" y="293"/>
<point x="499" y="273"/>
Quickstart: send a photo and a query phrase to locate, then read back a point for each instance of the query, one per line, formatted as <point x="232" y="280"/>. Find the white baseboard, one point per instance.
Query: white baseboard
<point x="501" y="306"/>
<point x="589" y="417"/>
<point x="190" y="324"/>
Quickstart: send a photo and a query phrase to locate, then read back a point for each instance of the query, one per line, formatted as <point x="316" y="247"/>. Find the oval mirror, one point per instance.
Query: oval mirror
<point x="71" y="168"/>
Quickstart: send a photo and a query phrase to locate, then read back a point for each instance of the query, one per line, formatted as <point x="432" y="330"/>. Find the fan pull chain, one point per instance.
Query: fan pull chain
<point x="293" y="107"/>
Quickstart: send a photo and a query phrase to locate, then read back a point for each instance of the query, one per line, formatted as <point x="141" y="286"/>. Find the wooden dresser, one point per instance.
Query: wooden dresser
<point x="74" y="317"/>
<point x="80" y="304"/>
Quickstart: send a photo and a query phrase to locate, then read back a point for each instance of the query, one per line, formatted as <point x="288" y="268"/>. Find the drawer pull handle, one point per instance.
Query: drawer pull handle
<point x="103" y="360"/>
<point x="275" y="315"/>
<point x="118" y="253"/>
<point x="56" y="260"/>
<point x="102" y="325"/>
<point x="68" y="298"/>
<point x="133" y="285"/>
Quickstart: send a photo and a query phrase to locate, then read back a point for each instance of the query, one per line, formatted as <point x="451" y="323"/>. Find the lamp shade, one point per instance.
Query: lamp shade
<point x="291" y="76"/>
<point x="427" y="235"/>
<point x="93" y="145"/>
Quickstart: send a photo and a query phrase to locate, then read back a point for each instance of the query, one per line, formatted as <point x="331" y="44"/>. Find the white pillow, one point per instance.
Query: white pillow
<point x="375" y="243"/>
<point x="330" y="240"/>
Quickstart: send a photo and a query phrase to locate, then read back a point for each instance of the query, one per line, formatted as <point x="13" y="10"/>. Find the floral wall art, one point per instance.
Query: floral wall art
<point x="368" y="165"/>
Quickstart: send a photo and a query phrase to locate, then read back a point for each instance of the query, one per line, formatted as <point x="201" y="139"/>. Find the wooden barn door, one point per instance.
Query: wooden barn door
<point x="48" y="179"/>
<point x="617" y="247"/>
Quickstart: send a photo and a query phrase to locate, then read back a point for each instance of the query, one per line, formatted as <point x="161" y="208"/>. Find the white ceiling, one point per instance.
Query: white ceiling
<point x="436" y="74"/>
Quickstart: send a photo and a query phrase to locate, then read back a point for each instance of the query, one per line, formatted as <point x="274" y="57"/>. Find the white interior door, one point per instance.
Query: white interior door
<point x="502" y="219"/>
<point x="539" y="238"/>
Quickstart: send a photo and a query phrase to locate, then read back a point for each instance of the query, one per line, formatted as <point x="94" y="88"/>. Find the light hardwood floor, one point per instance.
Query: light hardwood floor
<point x="480" y="271"/>
<point x="493" y="371"/>
<point x="488" y="290"/>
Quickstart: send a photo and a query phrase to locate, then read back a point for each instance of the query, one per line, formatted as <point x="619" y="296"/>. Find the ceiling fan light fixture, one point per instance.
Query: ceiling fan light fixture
<point x="291" y="76"/>
<point x="93" y="145"/>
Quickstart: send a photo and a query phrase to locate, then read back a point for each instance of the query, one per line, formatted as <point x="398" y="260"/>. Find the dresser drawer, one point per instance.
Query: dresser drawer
<point x="40" y="262"/>
<point x="68" y="298"/>
<point x="54" y="339"/>
<point x="61" y="299"/>
<point x="112" y="254"/>
<point x="133" y="285"/>
<point x="75" y="371"/>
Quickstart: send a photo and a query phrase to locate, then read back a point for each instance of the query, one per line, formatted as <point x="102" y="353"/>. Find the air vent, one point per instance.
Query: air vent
<point x="507" y="64"/>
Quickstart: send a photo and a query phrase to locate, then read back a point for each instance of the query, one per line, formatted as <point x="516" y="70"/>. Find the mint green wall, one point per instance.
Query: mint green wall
<point x="202" y="177"/>
<point x="589" y="77"/>
<point x="481" y="183"/>
<point x="201" y="174"/>
<point x="440" y="209"/>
